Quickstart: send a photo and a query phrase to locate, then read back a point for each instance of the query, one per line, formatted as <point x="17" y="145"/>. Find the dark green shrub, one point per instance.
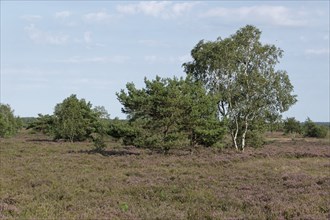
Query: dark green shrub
<point x="123" y="130"/>
<point x="255" y="139"/>
<point x="168" y="113"/>
<point x="291" y="125"/>
<point x="9" y="124"/>
<point x="44" y="124"/>
<point x="99" y="143"/>
<point x="313" y="130"/>
<point x="210" y="134"/>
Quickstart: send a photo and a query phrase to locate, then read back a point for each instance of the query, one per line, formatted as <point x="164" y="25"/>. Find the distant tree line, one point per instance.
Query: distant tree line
<point x="307" y="128"/>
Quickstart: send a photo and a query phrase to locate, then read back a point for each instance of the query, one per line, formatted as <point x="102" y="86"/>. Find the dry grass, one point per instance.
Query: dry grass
<point x="41" y="179"/>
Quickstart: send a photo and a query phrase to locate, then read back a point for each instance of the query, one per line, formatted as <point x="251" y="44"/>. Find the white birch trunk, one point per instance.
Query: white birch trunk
<point x="244" y="135"/>
<point x="234" y="135"/>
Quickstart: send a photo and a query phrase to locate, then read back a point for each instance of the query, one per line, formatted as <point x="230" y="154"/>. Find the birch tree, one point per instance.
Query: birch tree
<point x="241" y="71"/>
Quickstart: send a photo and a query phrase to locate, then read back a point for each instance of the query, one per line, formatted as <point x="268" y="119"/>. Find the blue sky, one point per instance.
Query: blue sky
<point x="50" y="50"/>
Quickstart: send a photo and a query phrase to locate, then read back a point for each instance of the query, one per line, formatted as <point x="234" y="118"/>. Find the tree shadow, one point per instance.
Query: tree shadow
<point x="40" y="140"/>
<point x="106" y="153"/>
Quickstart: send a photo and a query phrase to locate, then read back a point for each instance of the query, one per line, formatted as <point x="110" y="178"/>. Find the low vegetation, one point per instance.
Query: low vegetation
<point x="43" y="179"/>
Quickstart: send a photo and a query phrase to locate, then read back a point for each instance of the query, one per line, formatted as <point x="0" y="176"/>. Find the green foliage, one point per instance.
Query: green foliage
<point x="75" y="120"/>
<point x="9" y="124"/>
<point x="255" y="135"/>
<point x="313" y="130"/>
<point x="99" y="143"/>
<point x="255" y="139"/>
<point x="121" y="129"/>
<point x="123" y="207"/>
<point x="274" y="121"/>
<point x="209" y="133"/>
<point x="166" y="113"/>
<point x="200" y="118"/>
<point x="101" y="112"/>
<point x="44" y="124"/>
<point x="240" y="70"/>
<point x="291" y="125"/>
<point x="27" y="121"/>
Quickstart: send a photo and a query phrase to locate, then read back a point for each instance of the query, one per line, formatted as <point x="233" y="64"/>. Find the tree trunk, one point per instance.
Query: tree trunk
<point x="244" y="135"/>
<point x="234" y="134"/>
<point x="235" y="142"/>
<point x="193" y="141"/>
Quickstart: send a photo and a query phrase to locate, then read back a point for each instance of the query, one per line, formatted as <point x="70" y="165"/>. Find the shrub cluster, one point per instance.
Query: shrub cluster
<point x="230" y="84"/>
<point x="313" y="130"/>
<point x="9" y="124"/>
<point x="291" y="125"/>
<point x="168" y="113"/>
<point x="307" y="128"/>
<point x="74" y="120"/>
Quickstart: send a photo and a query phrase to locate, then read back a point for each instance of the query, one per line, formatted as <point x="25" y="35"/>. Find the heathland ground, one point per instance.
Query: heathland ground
<point x="41" y="179"/>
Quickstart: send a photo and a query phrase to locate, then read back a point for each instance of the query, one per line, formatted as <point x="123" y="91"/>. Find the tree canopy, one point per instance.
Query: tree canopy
<point x="9" y="123"/>
<point x="168" y="111"/>
<point x="240" y="70"/>
<point x="74" y="120"/>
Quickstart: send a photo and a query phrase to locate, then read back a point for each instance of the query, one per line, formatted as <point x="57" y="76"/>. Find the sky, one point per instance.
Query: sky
<point x="52" y="49"/>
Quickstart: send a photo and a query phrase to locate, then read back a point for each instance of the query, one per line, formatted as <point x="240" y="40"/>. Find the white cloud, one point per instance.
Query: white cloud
<point x="322" y="51"/>
<point x="275" y="15"/>
<point x="31" y="18"/>
<point x="102" y="59"/>
<point x="63" y="14"/>
<point x="181" y="8"/>
<point x="127" y="9"/>
<point x="152" y="8"/>
<point x="162" y="9"/>
<point x="170" y="59"/>
<point x="101" y="16"/>
<point x="43" y="37"/>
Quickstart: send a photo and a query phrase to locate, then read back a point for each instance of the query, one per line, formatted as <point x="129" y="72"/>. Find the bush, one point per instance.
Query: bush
<point x="255" y="139"/>
<point x="9" y="124"/>
<point x="313" y="130"/>
<point x="210" y="133"/>
<point x="44" y="124"/>
<point x="122" y="130"/>
<point x="168" y="113"/>
<point x="291" y="125"/>
<point x="99" y="143"/>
